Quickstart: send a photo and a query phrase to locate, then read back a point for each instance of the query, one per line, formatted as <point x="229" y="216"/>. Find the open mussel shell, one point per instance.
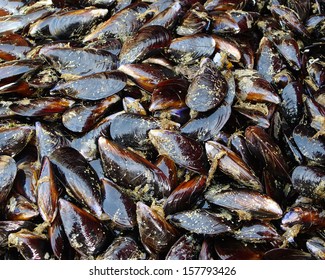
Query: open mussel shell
<point x="85" y="233"/>
<point x="156" y="234"/>
<point x="248" y="204"/>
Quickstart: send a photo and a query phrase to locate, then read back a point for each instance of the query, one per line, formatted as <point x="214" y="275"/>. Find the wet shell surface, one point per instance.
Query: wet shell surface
<point x="162" y="129"/>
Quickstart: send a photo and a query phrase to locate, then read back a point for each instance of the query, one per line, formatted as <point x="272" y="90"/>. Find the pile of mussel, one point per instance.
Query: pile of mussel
<point x="162" y="129"/>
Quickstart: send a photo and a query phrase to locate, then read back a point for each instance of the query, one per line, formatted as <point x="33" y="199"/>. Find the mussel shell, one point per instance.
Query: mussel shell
<point x="48" y="139"/>
<point x="185" y="248"/>
<point x="181" y="149"/>
<point x="232" y="165"/>
<point x="11" y="71"/>
<point x="169" y="17"/>
<point x="8" y="171"/>
<point x="130" y="170"/>
<point x="248" y="204"/>
<point x="188" y="49"/>
<point x="307" y="218"/>
<point x="13" y="46"/>
<point x="287" y="254"/>
<point x="313" y="148"/>
<point x="14" y="139"/>
<point x="309" y="181"/>
<point x="59" y="241"/>
<point x="79" y="177"/>
<point x="292" y="102"/>
<point x="20" y="208"/>
<point x="288" y="48"/>
<point x="290" y="19"/>
<point x="147" y="75"/>
<point x="200" y="221"/>
<point x="268" y="60"/>
<point x="195" y="21"/>
<point x="87" y="143"/>
<point x="119" y="207"/>
<point x="258" y="233"/>
<point x="31" y="246"/>
<point x="316" y="246"/>
<point x="231" y="249"/>
<point x="169" y="94"/>
<point x="47" y="192"/>
<point x="85" y="233"/>
<point x="207" y="90"/>
<point x="144" y="42"/>
<point x="93" y="87"/>
<point x="185" y="195"/>
<point x="131" y="18"/>
<point x="204" y="127"/>
<point x="7" y="227"/>
<point x="82" y="118"/>
<point x="43" y="106"/>
<point x="263" y="147"/>
<point x="156" y="234"/>
<point x="73" y="62"/>
<point x="131" y="130"/>
<point x="123" y="248"/>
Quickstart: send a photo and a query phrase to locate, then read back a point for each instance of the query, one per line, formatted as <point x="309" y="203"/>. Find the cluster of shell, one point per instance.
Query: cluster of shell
<point x="162" y="129"/>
